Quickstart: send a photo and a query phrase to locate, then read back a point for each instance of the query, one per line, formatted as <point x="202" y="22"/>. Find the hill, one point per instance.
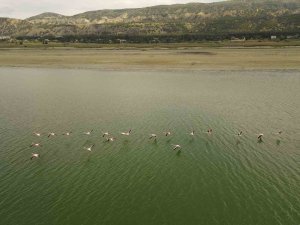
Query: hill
<point x="235" y="16"/>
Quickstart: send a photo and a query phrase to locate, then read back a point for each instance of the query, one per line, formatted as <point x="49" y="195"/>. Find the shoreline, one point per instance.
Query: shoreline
<point x="136" y="69"/>
<point x="187" y="59"/>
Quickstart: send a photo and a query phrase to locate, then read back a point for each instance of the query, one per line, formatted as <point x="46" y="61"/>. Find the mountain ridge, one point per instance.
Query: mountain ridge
<point x="217" y="17"/>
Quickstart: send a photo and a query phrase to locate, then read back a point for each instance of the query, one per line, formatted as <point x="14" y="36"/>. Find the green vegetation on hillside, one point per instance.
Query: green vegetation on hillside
<point x="193" y="20"/>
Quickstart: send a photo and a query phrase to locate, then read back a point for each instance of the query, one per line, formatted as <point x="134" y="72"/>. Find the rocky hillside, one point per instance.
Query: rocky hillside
<point x="222" y="17"/>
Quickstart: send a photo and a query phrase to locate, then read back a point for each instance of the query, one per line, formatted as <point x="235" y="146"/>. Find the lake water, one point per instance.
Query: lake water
<point x="215" y="179"/>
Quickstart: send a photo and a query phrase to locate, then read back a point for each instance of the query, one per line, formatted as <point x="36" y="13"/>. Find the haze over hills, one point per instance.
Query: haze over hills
<point x="220" y="17"/>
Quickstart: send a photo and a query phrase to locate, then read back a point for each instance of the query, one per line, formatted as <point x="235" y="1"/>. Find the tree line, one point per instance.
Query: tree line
<point x="166" y="38"/>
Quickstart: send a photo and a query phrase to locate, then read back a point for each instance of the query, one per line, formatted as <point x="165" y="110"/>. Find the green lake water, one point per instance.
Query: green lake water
<point x="218" y="179"/>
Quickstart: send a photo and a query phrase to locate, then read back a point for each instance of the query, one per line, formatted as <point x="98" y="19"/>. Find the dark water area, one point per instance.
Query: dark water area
<point x="215" y="179"/>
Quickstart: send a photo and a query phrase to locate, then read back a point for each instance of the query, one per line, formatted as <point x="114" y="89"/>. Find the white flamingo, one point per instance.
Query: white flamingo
<point x="37" y="134"/>
<point x="105" y="134"/>
<point x="89" y="148"/>
<point x="34" y="155"/>
<point x="88" y="132"/>
<point x="192" y="133"/>
<point x="51" y="134"/>
<point x="126" y="133"/>
<point x="152" y="136"/>
<point x="167" y="133"/>
<point x="176" y="147"/>
<point x="260" y="136"/>
<point x="35" y="145"/>
<point x="110" y="139"/>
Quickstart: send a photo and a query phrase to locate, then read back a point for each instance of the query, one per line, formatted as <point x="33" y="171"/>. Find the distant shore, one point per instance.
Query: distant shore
<point x="214" y="44"/>
<point x="182" y="58"/>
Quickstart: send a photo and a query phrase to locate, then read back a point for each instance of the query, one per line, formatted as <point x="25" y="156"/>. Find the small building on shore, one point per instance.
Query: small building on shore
<point x="273" y="37"/>
<point x="5" y="38"/>
<point x="292" y="36"/>
<point x="155" y="40"/>
<point x="122" y="41"/>
<point x="234" y="39"/>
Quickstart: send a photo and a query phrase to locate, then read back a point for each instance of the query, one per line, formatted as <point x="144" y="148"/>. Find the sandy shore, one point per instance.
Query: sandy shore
<point x="161" y="59"/>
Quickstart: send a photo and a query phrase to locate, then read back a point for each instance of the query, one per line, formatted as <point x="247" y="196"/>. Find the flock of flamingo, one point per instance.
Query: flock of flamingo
<point x="109" y="138"/>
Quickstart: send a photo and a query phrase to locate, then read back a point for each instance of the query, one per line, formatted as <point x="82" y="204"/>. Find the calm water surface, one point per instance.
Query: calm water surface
<point x="217" y="179"/>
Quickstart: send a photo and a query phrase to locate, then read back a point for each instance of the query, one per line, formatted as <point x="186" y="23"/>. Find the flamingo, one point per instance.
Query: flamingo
<point x="51" y="134"/>
<point x="126" y="133"/>
<point x="68" y="133"/>
<point x="34" y="155"/>
<point x="167" y="133"/>
<point x="152" y="136"/>
<point x="37" y="134"/>
<point x="176" y="147"/>
<point x="105" y="134"/>
<point x="260" y="136"/>
<point x="89" y="148"/>
<point x="108" y="139"/>
<point x="192" y="133"/>
<point x="35" y="145"/>
<point x="88" y="132"/>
